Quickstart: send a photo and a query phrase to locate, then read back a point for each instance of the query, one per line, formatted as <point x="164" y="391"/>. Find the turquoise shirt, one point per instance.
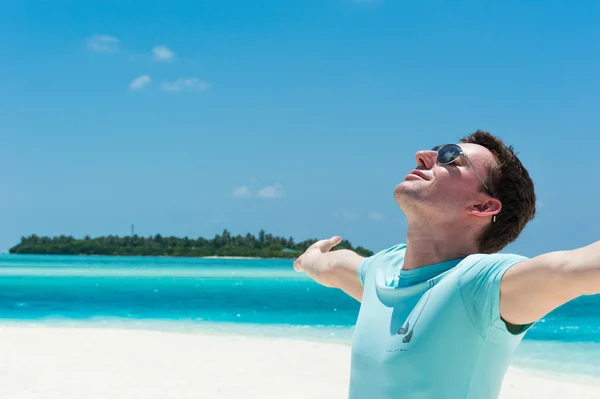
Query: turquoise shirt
<point x="433" y="332"/>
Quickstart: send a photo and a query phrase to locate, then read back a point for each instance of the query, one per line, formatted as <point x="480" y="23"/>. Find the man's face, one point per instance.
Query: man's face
<point x="445" y="190"/>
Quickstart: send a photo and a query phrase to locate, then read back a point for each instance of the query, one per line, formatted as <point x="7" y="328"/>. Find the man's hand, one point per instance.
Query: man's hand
<point x="337" y="269"/>
<point x="315" y="264"/>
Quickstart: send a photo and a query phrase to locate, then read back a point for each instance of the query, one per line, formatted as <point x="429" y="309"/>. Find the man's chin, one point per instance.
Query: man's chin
<point x="407" y="186"/>
<point x="403" y="192"/>
<point x="407" y="193"/>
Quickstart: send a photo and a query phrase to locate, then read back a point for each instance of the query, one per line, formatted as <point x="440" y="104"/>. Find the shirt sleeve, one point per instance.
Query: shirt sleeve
<point x="363" y="267"/>
<point x="479" y="286"/>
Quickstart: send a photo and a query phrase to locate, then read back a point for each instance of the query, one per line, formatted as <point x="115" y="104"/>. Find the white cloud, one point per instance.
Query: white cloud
<point x="139" y="82"/>
<point x="241" y="192"/>
<point x="192" y="84"/>
<point x="374" y="215"/>
<point x="346" y="214"/>
<point x="103" y="43"/>
<point x="162" y="53"/>
<point x="274" y="191"/>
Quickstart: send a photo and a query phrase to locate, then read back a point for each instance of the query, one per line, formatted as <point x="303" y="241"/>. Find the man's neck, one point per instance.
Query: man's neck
<point x="428" y="245"/>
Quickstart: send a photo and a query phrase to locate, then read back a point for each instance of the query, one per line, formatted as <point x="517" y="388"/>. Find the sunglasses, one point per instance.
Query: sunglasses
<point x="448" y="153"/>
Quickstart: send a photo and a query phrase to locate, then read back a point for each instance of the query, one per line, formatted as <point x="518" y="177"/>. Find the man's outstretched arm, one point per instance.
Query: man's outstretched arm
<point x="533" y="288"/>
<point x="337" y="269"/>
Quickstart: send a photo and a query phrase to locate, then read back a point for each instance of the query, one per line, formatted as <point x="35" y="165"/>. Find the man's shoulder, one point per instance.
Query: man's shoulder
<point x="485" y="265"/>
<point x="492" y="259"/>
<point x="393" y="251"/>
<point x="387" y="257"/>
<point x="479" y="282"/>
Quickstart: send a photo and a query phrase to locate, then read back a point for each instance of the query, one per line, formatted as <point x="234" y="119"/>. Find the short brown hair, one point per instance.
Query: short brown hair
<point x="509" y="182"/>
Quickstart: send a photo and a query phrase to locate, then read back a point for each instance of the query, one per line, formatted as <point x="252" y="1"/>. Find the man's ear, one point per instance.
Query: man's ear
<point x="488" y="208"/>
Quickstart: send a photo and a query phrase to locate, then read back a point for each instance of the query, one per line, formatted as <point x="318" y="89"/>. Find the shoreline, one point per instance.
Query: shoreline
<point x="229" y="257"/>
<point x="124" y="363"/>
<point x="156" y="256"/>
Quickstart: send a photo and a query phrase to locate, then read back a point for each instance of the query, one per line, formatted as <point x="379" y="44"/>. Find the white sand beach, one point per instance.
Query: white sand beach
<point x="78" y="363"/>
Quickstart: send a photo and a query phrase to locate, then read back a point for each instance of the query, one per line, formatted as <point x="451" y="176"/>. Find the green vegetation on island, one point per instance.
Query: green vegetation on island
<point x="225" y="244"/>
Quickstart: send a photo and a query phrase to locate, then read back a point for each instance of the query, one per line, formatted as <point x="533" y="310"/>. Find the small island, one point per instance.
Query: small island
<point x="222" y="245"/>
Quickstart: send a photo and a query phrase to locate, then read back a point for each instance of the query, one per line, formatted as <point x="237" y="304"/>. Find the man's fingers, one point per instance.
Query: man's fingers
<point x="322" y="246"/>
<point x="330" y="243"/>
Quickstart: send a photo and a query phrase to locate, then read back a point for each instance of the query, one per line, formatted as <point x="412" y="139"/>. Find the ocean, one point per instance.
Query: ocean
<point x="254" y="297"/>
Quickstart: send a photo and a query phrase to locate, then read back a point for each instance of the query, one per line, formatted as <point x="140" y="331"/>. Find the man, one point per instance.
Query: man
<point x="441" y="315"/>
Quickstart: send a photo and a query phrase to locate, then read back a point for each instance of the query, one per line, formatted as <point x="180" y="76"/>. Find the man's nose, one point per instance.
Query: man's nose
<point x="426" y="159"/>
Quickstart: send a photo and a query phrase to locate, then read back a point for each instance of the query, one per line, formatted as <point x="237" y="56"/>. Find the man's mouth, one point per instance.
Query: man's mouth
<point x="419" y="173"/>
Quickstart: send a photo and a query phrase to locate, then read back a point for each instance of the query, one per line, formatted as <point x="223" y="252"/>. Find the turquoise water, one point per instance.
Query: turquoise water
<point x="254" y="297"/>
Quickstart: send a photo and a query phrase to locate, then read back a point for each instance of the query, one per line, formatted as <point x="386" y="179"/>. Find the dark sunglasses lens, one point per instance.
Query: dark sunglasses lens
<point x="448" y="153"/>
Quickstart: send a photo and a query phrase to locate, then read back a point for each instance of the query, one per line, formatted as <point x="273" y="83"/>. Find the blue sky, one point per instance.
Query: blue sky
<point x="297" y="117"/>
